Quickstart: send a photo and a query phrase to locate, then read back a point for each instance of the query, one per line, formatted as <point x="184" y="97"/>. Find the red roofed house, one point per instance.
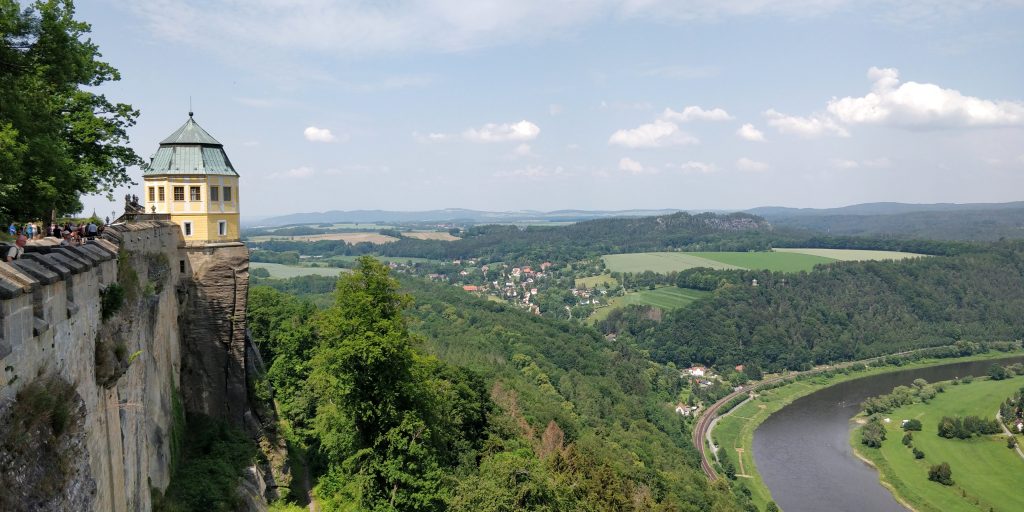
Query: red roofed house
<point x="471" y="288"/>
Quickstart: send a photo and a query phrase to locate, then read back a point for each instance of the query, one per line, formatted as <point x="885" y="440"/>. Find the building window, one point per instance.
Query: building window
<point x="187" y="226"/>
<point x="160" y="194"/>
<point x="222" y="228"/>
<point x="152" y="194"/>
<point x="227" y="194"/>
<point x="193" y="194"/>
<point x="179" y="193"/>
<point x="214" y="193"/>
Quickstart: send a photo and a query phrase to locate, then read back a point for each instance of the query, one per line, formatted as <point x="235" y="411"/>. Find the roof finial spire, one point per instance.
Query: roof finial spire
<point x="190" y="107"/>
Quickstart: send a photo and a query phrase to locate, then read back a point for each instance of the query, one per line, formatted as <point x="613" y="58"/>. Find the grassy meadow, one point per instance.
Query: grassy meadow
<point x="596" y="281"/>
<point x="986" y="474"/>
<point x="779" y="260"/>
<point x="665" y="298"/>
<point x="279" y="271"/>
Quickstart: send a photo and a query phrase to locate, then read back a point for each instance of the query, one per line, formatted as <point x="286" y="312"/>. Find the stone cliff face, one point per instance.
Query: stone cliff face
<point x="92" y="396"/>
<point x="214" y="358"/>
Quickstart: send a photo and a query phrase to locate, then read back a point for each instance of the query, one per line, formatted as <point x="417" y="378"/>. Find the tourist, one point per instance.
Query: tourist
<point x="17" y="250"/>
<point x="30" y="230"/>
<point x="91" y="229"/>
<point x="12" y="229"/>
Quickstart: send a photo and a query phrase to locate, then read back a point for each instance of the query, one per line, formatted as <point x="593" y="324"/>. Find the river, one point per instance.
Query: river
<point x="803" y="450"/>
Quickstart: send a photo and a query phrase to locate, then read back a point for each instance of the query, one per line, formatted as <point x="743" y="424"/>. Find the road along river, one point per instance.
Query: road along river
<point x="803" y="450"/>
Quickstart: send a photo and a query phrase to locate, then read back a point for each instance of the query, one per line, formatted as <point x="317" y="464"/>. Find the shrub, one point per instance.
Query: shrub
<point x="259" y="272"/>
<point x="998" y="372"/>
<point x="111" y="300"/>
<point x="941" y="473"/>
<point x="907" y="439"/>
<point x="1011" y="442"/>
<point x="918" y="454"/>
<point x="912" y="425"/>
<point x="872" y="433"/>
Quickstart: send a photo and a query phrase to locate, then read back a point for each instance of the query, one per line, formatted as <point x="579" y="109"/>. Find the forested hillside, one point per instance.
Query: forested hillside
<point x="845" y="310"/>
<point x="452" y="402"/>
<point x="985" y="225"/>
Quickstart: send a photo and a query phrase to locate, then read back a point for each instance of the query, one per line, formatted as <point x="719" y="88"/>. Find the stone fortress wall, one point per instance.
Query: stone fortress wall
<point x="176" y="343"/>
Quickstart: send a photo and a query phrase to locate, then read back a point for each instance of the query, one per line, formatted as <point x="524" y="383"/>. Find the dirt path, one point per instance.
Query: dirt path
<point x="1007" y="432"/>
<point x="739" y="457"/>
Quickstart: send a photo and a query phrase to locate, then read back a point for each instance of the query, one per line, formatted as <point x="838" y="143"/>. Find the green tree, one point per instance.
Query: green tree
<point x="941" y="473"/>
<point x="998" y="372"/>
<point x="57" y="140"/>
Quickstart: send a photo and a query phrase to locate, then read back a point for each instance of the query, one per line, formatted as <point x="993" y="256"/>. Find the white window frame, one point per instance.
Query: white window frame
<point x="222" y="227"/>
<point x="186" y="227"/>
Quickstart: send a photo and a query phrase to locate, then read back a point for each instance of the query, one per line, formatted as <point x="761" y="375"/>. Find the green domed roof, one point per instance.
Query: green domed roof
<point x="190" y="150"/>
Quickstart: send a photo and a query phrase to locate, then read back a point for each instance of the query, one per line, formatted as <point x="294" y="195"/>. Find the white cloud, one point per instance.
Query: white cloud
<point x="315" y="134"/>
<point x="633" y="167"/>
<point x="491" y="132"/>
<point x="534" y="173"/>
<point x="695" y="113"/>
<point x="294" y="173"/>
<point x="693" y="167"/>
<point x="813" y="126"/>
<point x="746" y="164"/>
<point x="921" y="105"/>
<point x="523" y="150"/>
<point x="431" y="137"/>
<point x="658" y="134"/>
<point x="749" y="132"/>
<point x="871" y="163"/>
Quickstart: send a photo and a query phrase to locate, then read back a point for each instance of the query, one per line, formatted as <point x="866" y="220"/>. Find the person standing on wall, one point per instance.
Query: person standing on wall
<point x="91" y="229"/>
<point x="30" y="230"/>
<point x="16" y="250"/>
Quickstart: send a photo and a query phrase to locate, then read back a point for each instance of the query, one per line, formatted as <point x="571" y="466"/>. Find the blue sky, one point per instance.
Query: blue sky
<point x="603" y="104"/>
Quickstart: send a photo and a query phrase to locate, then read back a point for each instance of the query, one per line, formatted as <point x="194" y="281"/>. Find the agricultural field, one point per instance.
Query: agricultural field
<point x="430" y="235"/>
<point x="779" y="260"/>
<point x="597" y="281"/>
<point x="279" y="271"/>
<point x="986" y="474"/>
<point x="661" y="262"/>
<point x="349" y="238"/>
<point x="853" y="254"/>
<point x="385" y="259"/>
<point x="665" y="298"/>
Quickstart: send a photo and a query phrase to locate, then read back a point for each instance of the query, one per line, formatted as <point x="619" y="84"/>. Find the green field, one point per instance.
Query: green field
<point x="596" y="281"/>
<point x="984" y="469"/>
<point x="853" y="254"/>
<point x="385" y="259"/>
<point x="280" y="271"/>
<point x="736" y="430"/>
<point x="661" y="262"/>
<point x="779" y="260"/>
<point x="666" y="298"/>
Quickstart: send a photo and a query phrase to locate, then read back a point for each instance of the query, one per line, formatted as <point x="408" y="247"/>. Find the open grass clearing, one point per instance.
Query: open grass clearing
<point x="430" y="235"/>
<point x="665" y="298"/>
<point x="597" y="281"/>
<point x="774" y="261"/>
<point x="853" y="254"/>
<point x="984" y="469"/>
<point x="385" y="259"/>
<point x="350" y="238"/>
<point x="660" y="262"/>
<point x="279" y="271"/>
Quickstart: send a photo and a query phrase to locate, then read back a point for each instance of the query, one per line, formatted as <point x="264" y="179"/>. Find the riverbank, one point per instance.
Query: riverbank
<point x="987" y="475"/>
<point x="735" y="430"/>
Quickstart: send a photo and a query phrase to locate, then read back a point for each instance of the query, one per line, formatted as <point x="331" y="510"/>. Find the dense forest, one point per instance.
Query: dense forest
<point x="986" y="225"/>
<point x="843" y="311"/>
<point x="433" y="399"/>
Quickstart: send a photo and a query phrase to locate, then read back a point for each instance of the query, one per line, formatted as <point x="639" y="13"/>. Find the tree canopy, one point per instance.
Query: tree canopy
<point x="58" y="138"/>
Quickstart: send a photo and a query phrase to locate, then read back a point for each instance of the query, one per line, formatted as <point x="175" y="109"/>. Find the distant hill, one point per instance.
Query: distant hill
<point x="452" y="215"/>
<point x="942" y="221"/>
<point x="770" y="212"/>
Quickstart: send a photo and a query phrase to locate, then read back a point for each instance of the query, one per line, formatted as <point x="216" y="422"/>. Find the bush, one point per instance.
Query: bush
<point x="907" y="439"/>
<point x="918" y="454"/>
<point x="1011" y="442"/>
<point x="259" y="272"/>
<point x="941" y="473"/>
<point x="111" y="300"/>
<point x="998" y="372"/>
<point x="872" y="433"/>
<point x="912" y="425"/>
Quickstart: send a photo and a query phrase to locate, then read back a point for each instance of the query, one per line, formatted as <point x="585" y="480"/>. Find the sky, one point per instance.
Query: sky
<point x="580" y="104"/>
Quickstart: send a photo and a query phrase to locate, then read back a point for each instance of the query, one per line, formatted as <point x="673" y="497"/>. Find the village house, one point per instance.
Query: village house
<point x="685" y="410"/>
<point x="471" y="288"/>
<point x="696" y="371"/>
<point x="546" y="265"/>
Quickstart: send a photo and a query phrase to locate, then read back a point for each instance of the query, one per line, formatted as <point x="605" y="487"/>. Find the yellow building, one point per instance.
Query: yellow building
<point x="191" y="179"/>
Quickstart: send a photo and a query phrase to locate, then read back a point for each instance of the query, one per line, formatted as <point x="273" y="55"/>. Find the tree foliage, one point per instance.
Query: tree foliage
<point x="58" y="140"/>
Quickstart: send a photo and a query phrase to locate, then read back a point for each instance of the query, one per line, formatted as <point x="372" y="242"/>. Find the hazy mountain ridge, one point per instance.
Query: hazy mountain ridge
<point x="452" y="215"/>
